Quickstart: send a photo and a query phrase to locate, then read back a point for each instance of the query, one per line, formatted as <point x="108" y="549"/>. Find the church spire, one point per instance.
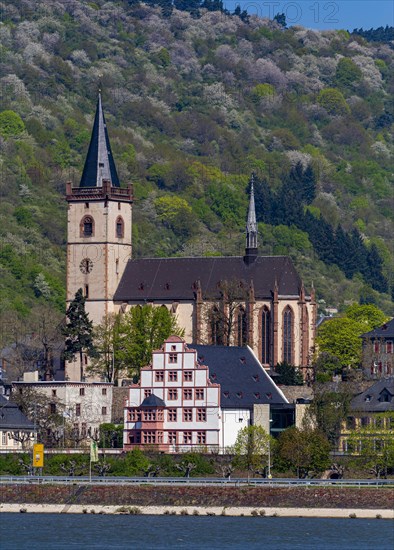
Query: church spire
<point x="251" y="228"/>
<point x="99" y="163"/>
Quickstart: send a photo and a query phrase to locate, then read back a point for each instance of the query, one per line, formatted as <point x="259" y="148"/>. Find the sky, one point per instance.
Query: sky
<point x="323" y="14"/>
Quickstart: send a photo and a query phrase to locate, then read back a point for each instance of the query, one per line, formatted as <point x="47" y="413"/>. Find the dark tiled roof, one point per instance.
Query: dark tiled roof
<point x="374" y="398"/>
<point x="385" y="331"/>
<point x="152" y="401"/>
<point x="176" y="278"/>
<point x="243" y="381"/>
<point x="11" y="418"/>
<point x="99" y="153"/>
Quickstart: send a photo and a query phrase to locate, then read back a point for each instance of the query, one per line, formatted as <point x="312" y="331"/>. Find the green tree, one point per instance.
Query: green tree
<point x="305" y="450"/>
<point x="368" y="314"/>
<point x="11" y="124"/>
<point x="340" y="337"/>
<point x="289" y="375"/>
<point x="106" y="337"/>
<point x="253" y="449"/>
<point x="347" y="73"/>
<point x="330" y="406"/>
<point x="78" y="331"/>
<point x="325" y="366"/>
<point x="142" y="330"/>
<point x="176" y="213"/>
<point x="333" y="101"/>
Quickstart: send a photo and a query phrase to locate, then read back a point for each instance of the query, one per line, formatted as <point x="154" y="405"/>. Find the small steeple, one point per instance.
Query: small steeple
<point x="251" y="228"/>
<point x="99" y="164"/>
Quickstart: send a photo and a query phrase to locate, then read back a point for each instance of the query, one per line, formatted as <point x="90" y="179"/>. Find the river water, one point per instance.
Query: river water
<point x="101" y="532"/>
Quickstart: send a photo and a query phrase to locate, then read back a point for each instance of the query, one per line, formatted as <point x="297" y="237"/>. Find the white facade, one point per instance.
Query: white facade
<point x="84" y="405"/>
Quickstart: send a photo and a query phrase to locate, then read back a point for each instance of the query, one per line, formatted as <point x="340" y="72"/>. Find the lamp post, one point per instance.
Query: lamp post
<point x="269" y="476"/>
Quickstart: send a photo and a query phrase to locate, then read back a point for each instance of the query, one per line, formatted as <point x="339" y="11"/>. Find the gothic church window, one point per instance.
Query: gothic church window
<point x="288" y="323"/>
<point x="216" y="327"/>
<point x="242" y="333"/>
<point x="265" y="336"/>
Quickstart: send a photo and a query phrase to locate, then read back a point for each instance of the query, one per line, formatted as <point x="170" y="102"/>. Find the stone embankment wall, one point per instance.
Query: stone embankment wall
<point x="299" y="497"/>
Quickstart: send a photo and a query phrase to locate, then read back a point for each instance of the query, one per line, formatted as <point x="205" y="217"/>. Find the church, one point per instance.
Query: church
<point x="253" y="300"/>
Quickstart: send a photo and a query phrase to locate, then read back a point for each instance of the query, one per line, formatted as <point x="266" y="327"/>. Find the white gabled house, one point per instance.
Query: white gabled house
<point x="200" y="397"/>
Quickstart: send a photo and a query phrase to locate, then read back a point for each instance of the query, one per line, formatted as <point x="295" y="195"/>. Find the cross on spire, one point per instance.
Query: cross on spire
<point x="99" y="163"/>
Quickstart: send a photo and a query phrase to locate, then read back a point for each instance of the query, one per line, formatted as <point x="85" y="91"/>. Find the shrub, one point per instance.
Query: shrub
<point x="333" y="101"/>
<point x="11" y="124"/>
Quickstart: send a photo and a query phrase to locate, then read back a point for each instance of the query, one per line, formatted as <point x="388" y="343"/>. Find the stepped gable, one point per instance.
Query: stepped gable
<point x="243" y="381"/>
<point x="99" y="163"/>
<point x="178" y="278"/>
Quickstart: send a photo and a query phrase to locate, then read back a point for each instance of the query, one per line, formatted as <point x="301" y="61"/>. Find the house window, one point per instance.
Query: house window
<point x="78" y="409"/>
<point x="201" y="415"/>
<point x="172" y="376"/>
<point x="171" y="415"/>
<point x="265" y="336"/>
<point x="350" y="423"/>
<point x="159" y="376"/>
<point x="87" y="227"/>
<point x="188" y="376"/>
<point x="242" y="333"/>
<point x="4" y="438"/>
<point x="149" y="415"/>
<point x="147" y="393"/>
<point x="173" y="358"/>
<point x="201" y="438"/>
<point x="172" y="438"/>
<point x="53" y="393"/>
<point x="84" y="429"/>
<point x="103" y="411"/>
<point x="81" y="391"/>
<point x="288" y="322"/>
<point x="187" y="438"/>
<point x="187" y="415"/>
<point x="149" y="437"/>
<point x="199" y="393"/>
<point x="188" y="394"/>
<point x="120" y="228"/>
<point x="376" y="347"/>
<point x="104" y="391"/>
<point x="172" y="395"/>
<point x="52" y="408"/>
<point x="364" y="421"/>
<point x="389" y="347"/>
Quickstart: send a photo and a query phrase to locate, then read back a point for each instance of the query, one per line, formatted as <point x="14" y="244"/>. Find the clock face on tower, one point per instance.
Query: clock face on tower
<point x="86" y="265"/>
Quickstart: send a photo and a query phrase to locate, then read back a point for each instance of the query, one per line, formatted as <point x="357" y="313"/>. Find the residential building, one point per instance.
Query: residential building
<point x="371" y="412"/>
<point x="83" y="405"/>
<point x="200" y="396"/>
<point x="16" y="431"/>
<point x="378" y="349"/>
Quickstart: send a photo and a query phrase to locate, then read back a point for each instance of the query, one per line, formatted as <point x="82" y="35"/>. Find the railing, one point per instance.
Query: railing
<point x="78" y="480"/>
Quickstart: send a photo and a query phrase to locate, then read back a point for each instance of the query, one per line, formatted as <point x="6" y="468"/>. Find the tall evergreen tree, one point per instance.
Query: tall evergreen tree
<point x="78" y="331"/>
<point x="373" y="274"/>
<point x="308" y="185"/>
<point x="263" y="200"/>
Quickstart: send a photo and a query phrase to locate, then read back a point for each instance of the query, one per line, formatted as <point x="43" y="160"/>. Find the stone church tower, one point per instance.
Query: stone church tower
<point x="99" y="226"/>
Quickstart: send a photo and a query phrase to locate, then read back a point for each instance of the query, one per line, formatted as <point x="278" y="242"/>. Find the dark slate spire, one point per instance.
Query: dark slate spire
<point x="99" y="164"/>
<point x="251" y="228"/>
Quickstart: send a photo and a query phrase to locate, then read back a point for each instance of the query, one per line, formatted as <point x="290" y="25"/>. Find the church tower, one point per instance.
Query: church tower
<point x="99" y="226"/>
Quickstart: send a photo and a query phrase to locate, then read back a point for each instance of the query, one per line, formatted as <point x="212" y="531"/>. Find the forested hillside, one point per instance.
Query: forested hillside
<point x="196" y="102"/>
